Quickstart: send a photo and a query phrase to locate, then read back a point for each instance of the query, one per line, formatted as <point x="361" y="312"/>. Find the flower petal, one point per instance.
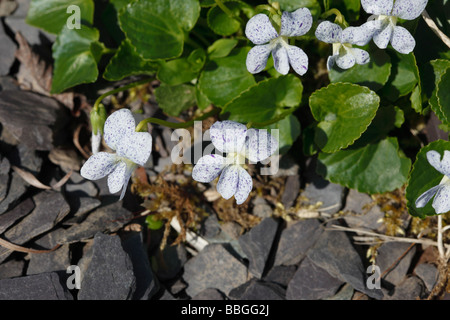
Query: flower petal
<point x="382" y="37"/>
<point x="402" y="40"/>
<point x="297" y="23"/>
<point x="259" y="29"/>
<point x="127" y="177"/>
<point x="228" y="181"/>
<point x="360" y="35"/>
<point x="345" y="61"/>
<point x="118" y="125"/>
<point x="408" y="9"/>
<point x="244" y="187"/>
<point x="228" y="136"/>
<point x="297" y="59"/>
<point x="281" y="59"/>
<point x="257" y="58"/>
<point x="259" y="145"/>
<point x="116" y="179"/>
<point x="423" y="199"/>
<point x="361" y="56"/>
<point x="331" y="61"/>
<point x="98" y="166"/>
<point x="383" y="7"/>
<point x="328" y="32"/>
<point x="441" y="202"/>
<point x="434" y="158"/>
<point x="135" y="146"/>
<point x="208" y="168"/>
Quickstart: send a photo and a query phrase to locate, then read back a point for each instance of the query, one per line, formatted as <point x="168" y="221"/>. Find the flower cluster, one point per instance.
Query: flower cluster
<point x="381" y="27"/>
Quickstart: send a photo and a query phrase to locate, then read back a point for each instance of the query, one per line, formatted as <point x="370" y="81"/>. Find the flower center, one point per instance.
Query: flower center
<point x="279" y="41"/>
<point x="386" y="19"/>
<point x="341" y="48"/>
<point x="235" y="158"/>
<point x="445" y="180"/>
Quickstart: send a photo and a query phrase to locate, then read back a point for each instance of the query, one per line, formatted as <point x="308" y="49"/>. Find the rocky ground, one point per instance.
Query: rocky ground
<point x="284" y="243"/>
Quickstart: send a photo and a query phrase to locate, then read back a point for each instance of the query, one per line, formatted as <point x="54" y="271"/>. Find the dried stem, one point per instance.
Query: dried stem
<point x="435" y="28"/>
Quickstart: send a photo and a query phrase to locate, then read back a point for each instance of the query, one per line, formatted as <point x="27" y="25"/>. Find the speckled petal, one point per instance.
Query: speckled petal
<point x="331" y="61"/>
<point x="136" y="146"/>
<point x="208" y="168"/>
<point x="259" y="30"/>
<point x="281" y="59"/>
<point x="434" y="158"/>
<point x="257" y="58"/>
<point x="423" y="199"/>
<point x="127" y="177"/>
<point x="259" y="144"/>
<point x="116" y="179"/>
<point x="244" y="187"/>
<point x="408" y="9"/>
<point x="297" y="23"/>
<point x="298" y="59"/>
<point x="119" y="124"/>
<point x="361" y="56"/>
<point x="328" y="32"/>
<point x="228" y="181"/>
<point x="402" y="40"/>
<point x="360" y="35"/>
<point x="345" y="61"/>
<point x="441" y="202"/>
<point x="382" y="37"/>
<point x="383" y="7"/>
<point x="98" y="166"/>
<point x="228" y="136"/>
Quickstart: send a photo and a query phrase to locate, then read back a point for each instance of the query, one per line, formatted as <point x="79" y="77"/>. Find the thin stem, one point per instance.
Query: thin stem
<point x="174" y="125"/>
<point x="266" y="7"/>
<point x="439" y="238"/>
<point x="435" y="29"/>
<point x="339" y="17"/>
<point x="229" y="13"/>
<point x="124" y="88"/>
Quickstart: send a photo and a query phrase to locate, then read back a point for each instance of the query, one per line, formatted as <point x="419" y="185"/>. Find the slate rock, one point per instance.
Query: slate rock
<point x="146" y="283"/>
<point x="257" y="244"/>
<point x="8" y="83"/>
<point x="109" y="275"/>
<point x="428" y="273"/>
<point x="335" y="253"/>
<point x="170" y="261"/>
<point x="22" y="209"/>
<point x="43" y="286"/>
<point x="291" y="191"/>
<point x="12" y="269"/>
<point x="261" y="208"/>
<point x="209" y="294"/>
<point x="177" y="287"/>
<point x="4" y="178"/>
<point x="36" y="121"/>
<point x="388" y="253"/>
<point x="57" y="260"/>
<point x="17" y="187"/>
<point x="26" y="158"/>
<point x="411" y="288"/>
<point x="295" y="240"/>
<point x="213" y="267"/>
<point x="328" y="193"/>
<point x="50" y="209"/>
<point x="311" y="282"/>
<point x="288" y="166"/>
<point x="7" y="51"/>
<point x="281" y="275"/>
<point x="258" y="290"/>
<point x="360" y="217"/>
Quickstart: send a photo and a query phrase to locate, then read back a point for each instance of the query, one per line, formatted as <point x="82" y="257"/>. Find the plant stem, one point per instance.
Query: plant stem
<point x="439" y="238"/>
<point x="435" y="29"/>
<point x="339" y="17"/>
<point x="229" y="13"/>
<point x="124" y="88"/>
<point x="175" y="125"/>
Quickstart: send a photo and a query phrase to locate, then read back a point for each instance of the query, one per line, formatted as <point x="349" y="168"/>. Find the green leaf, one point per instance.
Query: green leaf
<point x="76" y="53"/>
<point x="182" y="70"/>
<point x="156" y="27"/>
<point x="202" y="100"/>
<point x="221" y="48"/>
<point x="292" y="5"/>
<point x="373" y="75"/>
<point x="51" y="15"/>
<point x="344" y="111"/>
<point x="225" y="78"/>
<point x="404" y="76"/>
<point x="207" y="3"/>
<point x="440" y="66"/>
<point x="289" y="130"/>
<point x="127" y="62"/>
<point x="309" y="147"/>
<point x="220" y="22"/>
<point x="175" y="99"/>
<point x="416" y="99"/>
<point x="423" y="177"/>
<point x="265" y="100"/>
<point x="375" y="168"/>
<point x="443" y="95"/>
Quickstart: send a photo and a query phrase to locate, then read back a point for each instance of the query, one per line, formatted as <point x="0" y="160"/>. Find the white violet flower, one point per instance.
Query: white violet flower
<point x="96" y="140"/>
<point x="260" y="31"/>
<point x="238" y="143"/>
<point x="344" y="55"/>
<point x="382" y="25"/>
<point x="132" y="149"/>
<point x="441" y="202"/>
